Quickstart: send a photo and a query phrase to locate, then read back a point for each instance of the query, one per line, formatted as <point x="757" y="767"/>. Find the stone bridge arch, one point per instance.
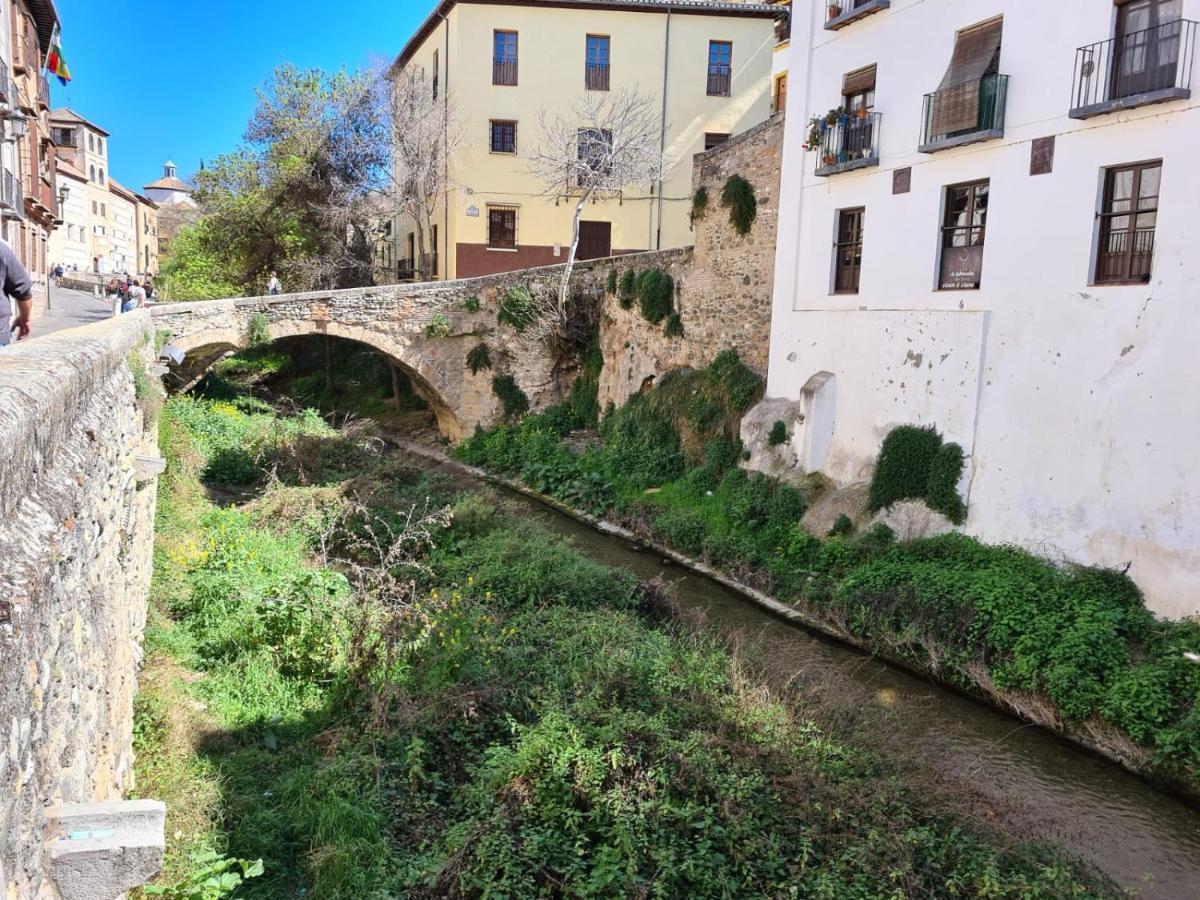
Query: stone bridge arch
<point x="395" y="320"/>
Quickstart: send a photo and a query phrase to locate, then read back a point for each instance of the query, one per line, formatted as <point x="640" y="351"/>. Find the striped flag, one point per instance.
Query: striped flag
<point x="55" y="63"/>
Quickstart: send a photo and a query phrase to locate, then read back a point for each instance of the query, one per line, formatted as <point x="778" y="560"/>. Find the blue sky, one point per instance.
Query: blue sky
<point x="176" y="78"/>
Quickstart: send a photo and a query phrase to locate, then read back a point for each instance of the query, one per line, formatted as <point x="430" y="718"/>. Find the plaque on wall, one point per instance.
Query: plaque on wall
<point x="1041" y="156"/>
<point x="902" y="180"/>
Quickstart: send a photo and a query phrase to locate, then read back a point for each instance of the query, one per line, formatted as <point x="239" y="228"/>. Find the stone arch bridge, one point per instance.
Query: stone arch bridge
<point x="427" y="329"/>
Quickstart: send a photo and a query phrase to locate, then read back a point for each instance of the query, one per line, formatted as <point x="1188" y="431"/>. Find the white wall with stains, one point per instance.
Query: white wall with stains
<point x="1078" y="404"/>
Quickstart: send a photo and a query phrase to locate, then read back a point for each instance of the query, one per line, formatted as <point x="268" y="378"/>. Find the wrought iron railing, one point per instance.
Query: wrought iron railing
<point x="6" y="84"/>
<point x="596" y="77"/>
<point x="850" y="142"/>
<point x="1142" y="62"/>
<point x="993" y="97"/>
<point x="8" y="186"/>
<point x="720" y="80"/>
<point x="504" y="72"/>
<point x="44" y="91"/>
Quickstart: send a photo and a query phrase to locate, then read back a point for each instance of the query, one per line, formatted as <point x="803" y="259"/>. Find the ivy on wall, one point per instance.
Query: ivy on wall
<point x="915" y="464"/>
<point x="479" y="358"/>
<point x="738" y="197"/>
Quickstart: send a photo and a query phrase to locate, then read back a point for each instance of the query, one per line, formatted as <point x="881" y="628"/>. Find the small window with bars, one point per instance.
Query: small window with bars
<point x="504" y="57"/>
<point x="720" y="68"/>
<point x="502" y="227"/>
<point x="596" y="63"/>
<point x="1128" y="219"/>
<point x="847" y="264"/>
<point x="503" y="136"/>
<point x="714" y="139"/>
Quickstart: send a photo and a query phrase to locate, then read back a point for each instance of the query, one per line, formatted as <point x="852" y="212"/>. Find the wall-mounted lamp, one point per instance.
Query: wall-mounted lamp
<point x="18" y="126"/>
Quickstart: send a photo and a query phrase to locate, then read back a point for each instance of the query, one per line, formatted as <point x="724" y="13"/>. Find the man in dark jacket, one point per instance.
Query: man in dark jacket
<point x="17" y="288"/>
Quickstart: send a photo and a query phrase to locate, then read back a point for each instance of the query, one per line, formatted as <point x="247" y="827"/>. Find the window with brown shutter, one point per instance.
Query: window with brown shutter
<point x="860" y="81"/>
<point x="1127" y="223"/>
<point x="976" y="54"/>
<point x="502" y="227"/>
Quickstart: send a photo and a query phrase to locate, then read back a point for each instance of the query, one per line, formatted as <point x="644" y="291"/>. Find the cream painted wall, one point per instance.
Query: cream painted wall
<point x="551" y="75"/>
<point x="1077" y="403"/>
<point x="70" y="242"/>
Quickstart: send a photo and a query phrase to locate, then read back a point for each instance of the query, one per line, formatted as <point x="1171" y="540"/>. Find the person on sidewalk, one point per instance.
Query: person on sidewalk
<point x="17" y="286"/>
<point x="273" y="286"/>
<point x="136" y="298"/>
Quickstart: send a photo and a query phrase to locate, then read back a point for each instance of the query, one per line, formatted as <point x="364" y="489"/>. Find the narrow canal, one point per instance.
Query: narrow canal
<point x="1148" y="841"/>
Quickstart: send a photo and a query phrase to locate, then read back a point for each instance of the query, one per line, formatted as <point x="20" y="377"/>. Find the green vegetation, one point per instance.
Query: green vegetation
<point x="408" y="690"/>
<point x="778" y="434"/>
<point x="438" y="327"/>
<point x="914" y="464"/>
<point x="610" y="283"/>
<point x="738" y="197"/>
<point x="258" y="332"/>
<point x="479" y="358"/>
<point x="656" y="295"/>
<point x="628" y="289"/>
<point x="699" y="206"/>
<point x="471" y="304"/>
<point x="1002" y="622"/>
<point x="511" y="396"/>
<point x="516" y="308"/>
<point x="674" y="326"/>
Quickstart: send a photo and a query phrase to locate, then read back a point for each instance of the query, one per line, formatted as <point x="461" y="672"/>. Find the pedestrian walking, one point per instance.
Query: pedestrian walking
<point x="273" y="286"/>
<point x="17" y="288"/>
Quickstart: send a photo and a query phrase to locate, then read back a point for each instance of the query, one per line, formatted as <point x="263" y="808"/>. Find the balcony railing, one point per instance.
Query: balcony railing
<point x="849" y="10"/>
<point x="6" y="84"/>
<point x="12" y="195"/>
<point x="43" y="92"/>
<point x="504" y="72"/>
<point x="989" y="95"/>
<point x="850" y="143"/>
<point x="720" y="79"/>
<point x="1149" y="66"/>
<point x="596" y="77"/>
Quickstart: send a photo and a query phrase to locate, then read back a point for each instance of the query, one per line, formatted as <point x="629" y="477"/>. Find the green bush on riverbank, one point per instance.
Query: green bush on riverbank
<point x="995" y="619"/>
<point x="512" y="723"/>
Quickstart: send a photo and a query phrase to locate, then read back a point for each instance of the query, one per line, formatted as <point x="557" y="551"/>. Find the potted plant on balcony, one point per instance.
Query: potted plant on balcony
<point x="815" y="130"/>
<point x="835" y="10"/>
<point x="861" y="112"/>
<point x="829" y="159"/>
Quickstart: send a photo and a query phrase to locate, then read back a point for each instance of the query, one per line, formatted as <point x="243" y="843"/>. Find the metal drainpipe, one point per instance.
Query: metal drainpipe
<point x="445" y="141"/>
<point x="662" y="134"/>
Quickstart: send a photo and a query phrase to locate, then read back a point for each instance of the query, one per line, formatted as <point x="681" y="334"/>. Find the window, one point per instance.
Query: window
<point x="858" y="98"/>
<point x="963" y="229"/>
<point x="596" y="63"/>
<point x="504" y="57"/>
<point x="965" y="101"/>
<point x="714" y="139"/>
<point x="91" y="173"/>
<point x="1127" y="221"/>
<point x="502" y="227"/>
<point x="102" y="176"/>
<point x="595" y="150"/>
<point x="103" y="211"/>
<point x="100" y="145"/>
<point x="95" y="208"/>
<point x="1148" y="38"/>
<point x="848" y="261"/>
<point x="779" y="95"/>
<point x="504" y="136"/>
<point x="91" y="142"/>
<point x="720" y="68"/>
<point x="436" y="74"/>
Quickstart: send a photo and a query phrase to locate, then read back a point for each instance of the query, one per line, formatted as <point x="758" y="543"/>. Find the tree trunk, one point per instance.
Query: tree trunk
<point x="419" y="264"/>
<point x="564" y="289"/>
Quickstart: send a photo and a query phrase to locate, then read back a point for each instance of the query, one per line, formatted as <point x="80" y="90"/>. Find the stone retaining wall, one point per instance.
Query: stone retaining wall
<point x="77" y="498"/>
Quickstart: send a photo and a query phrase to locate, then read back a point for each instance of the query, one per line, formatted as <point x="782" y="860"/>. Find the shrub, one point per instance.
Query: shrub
<point x="740" y="386"/>
<point x="438" y="327"/>
<point x="720" y="455"/>
<point x="511" y="396"/>
<point x="878" y="537"/>
<point x="738" y="197"/>
<point x="641" y="445"/>
<point x="778" y="434"/>
<point x="905" y="460"/>
<point x="843" y="526"/>
<point x="585" y="401"/>
<point x="656" y="295"/>
<point x="628" y="289"/>
<point x="684" y="529"/>
<point x="472" y="304"/>
<point x="258" y="332"/>
<point x="941" y="493"/>
<point x="703" y="412"/>
<point x="516" y="308"/>
<point x="674" y="326"/>
<point x="699" y="206"/>
<point x="611" y="283"/>
<point x="479" y="358"/>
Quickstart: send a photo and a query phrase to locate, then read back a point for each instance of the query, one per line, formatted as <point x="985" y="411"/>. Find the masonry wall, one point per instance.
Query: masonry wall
<point x="76" y="527"/>
<point x="723" y="283"/>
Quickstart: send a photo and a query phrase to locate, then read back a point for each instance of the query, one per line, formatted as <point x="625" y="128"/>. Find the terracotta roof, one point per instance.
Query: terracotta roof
<point x="66" y="168"/>
<point x="66" y="114"/>
<point x="679" y="7"/>
<point x="169" y="184"/>
<point x="117" y="188"/>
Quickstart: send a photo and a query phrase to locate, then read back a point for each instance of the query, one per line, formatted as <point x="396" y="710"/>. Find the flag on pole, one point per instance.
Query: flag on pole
<point x="55" y="63"/>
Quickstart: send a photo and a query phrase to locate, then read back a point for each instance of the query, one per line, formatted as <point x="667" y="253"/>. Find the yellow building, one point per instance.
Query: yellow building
<point x="502" y="61"/>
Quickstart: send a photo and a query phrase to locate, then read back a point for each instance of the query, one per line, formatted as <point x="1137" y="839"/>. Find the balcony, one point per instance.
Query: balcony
<point x="947" y="109"/>
<point x="43" y="92"/>
<point x="12" y="196"/>
<point x="852" y="142"/>
<point x="504" y="72"/>
<point x="851" y="11"/>
<point x="720" y="79"/>
<point x="1149" y="66"/>
<point x="6" y="84"/>
<point x="596" y="77"/>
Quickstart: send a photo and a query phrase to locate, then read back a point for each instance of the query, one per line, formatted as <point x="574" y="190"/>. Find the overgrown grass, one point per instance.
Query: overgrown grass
<point x="532" y="730"/>
<point x="1079" y="642"/>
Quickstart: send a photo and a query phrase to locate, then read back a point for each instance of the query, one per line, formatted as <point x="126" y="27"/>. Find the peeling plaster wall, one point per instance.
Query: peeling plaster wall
<point x="76" y="525"/>
<point x="1077" y="402"/>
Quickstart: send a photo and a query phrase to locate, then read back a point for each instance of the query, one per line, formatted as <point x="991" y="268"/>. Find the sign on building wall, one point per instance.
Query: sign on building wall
<point x="961" y="268"/>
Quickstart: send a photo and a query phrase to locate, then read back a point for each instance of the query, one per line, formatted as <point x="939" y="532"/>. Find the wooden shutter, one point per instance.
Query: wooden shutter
<point x="859" y="81"/>
<point x="976" y="53"/>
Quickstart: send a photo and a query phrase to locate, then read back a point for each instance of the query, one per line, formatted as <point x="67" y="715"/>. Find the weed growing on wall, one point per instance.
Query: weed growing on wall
<point x="902" y="470"/>
<point x="516" y="308"/>
<point x="738" y="197"/>
<point x="778" y="434"/>
<point x="258" y="332"/>
<point x="438" y="327"/>
<point x="674" y="326"/>
<point x="512" y="398"/>
<point x="610" y="283"/>
<point x="656" y="295"/>
<point x="479" y="358"/>
<point x="628" y="289"/>
<point x="471" y="304"/>
<point x="742" y="387"/>
<point x="699" y="206"/>
<point x="945" y="470"/>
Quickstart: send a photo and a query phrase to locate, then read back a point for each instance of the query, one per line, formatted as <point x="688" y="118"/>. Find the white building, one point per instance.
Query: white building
<point x="960" y="254"/>
<point x="170" y="188"/>
<point x="71" y="244"/>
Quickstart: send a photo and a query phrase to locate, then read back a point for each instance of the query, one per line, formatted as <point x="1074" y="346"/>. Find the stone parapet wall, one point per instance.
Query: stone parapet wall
<point x="723" y="284"/>
<point x="77" y="499"/>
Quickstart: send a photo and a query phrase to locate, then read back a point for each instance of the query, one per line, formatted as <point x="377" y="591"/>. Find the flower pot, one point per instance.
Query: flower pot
<point x="823" y="125"/>
<point x="862" y="112"/>
<point x="830" y="160"/>
<point x="834" y="10"/>
<point x="843" y="119"/>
